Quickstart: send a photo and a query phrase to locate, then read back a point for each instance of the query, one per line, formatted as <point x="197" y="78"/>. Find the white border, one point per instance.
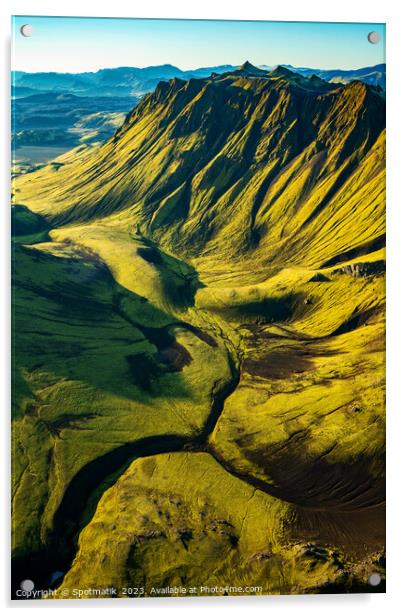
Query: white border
<point x="388" y="11"/>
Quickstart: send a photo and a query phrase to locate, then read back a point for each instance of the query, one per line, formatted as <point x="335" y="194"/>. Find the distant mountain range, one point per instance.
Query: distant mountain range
<point x="133" y="81"/>
<point x="120" y="81"/>
<point x="372" y="75"/>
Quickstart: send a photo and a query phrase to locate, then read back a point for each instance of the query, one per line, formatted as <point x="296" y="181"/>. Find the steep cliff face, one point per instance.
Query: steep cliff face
<point x="245" y="161"/>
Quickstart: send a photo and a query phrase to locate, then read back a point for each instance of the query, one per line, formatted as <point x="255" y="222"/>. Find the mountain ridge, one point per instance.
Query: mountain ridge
<point x="234" y="127"/>
<point x="133" y="80"/>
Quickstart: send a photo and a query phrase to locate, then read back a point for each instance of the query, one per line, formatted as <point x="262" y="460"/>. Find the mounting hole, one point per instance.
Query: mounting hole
<point x="27" y="585"/>
<point x="374" y="579"/>
<point x="26" y="30"/>
<point x="374" y="37"/>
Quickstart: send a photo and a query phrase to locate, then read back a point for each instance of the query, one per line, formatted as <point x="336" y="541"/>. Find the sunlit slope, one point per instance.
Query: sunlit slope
<point x="314" y="378"/>
<point x="272" y="163"/>
<point x="179" y="520"/>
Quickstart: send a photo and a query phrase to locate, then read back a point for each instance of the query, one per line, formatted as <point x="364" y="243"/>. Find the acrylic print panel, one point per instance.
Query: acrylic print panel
<point x="198" y="322"/>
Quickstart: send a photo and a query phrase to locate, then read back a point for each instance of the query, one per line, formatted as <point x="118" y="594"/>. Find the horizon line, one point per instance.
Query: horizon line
<point x="185" y="70"/>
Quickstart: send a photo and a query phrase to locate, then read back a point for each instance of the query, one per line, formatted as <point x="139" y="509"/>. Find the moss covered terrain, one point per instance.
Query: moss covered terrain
<point x="199" y="344"/>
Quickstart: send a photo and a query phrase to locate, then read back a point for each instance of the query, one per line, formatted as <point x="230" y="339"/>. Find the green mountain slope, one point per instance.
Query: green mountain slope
<point x="206" y="528"/>
<point x="232" y="164"/>
<point x="208" y="284"/>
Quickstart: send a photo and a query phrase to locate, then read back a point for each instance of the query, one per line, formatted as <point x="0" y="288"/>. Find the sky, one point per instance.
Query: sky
<point x="72" y="44"/>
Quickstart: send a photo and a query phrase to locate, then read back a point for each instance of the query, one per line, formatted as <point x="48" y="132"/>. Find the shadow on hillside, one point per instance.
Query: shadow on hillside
<point x="74" y="321"/>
